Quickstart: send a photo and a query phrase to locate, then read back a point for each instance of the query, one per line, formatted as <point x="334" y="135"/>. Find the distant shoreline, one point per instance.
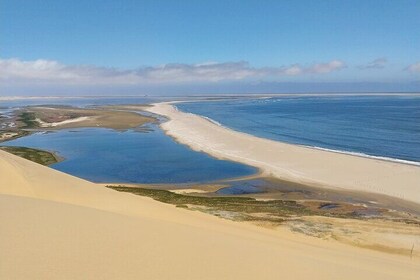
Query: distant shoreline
<point x="11" y="98"/>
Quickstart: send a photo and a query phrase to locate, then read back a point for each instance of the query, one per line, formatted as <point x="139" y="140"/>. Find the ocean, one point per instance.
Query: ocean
<point x="386" y="127"/>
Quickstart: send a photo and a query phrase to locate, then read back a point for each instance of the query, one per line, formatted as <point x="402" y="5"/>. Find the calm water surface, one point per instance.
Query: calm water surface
<point x="105" y="155"/>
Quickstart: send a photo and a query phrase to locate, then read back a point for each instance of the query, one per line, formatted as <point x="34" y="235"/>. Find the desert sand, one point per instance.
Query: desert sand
<point x="55" y="226"/>
<point x="292" y="162"/>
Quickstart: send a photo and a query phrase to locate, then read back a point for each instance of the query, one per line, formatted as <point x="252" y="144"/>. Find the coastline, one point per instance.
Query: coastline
<point x="403" y="161"/>
<point x="300" y="164"/>
<point x="340" y="151"/>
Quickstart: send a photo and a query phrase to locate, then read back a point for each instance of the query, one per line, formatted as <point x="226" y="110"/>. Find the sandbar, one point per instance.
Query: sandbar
<point x="320" y="168"/>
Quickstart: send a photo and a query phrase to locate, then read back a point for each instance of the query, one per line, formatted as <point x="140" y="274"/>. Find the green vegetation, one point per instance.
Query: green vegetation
<point x="38" y="156"/>
<point x="28" y="119"/>
<point x="250" y="209"/>
<point x="18" y="134"/>
<point x="236" y="208"/>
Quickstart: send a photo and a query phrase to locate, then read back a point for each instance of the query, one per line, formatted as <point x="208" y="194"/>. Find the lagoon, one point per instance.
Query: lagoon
<point x="105" y="155"/>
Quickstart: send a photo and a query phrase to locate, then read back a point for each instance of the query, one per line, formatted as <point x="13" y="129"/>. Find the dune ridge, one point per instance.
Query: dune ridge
<point x="56" y="226"/>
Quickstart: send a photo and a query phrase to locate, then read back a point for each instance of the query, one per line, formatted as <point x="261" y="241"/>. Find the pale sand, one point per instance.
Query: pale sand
<point x="55" y="226"/>
<point x="7" y="135"/>
<point x="188" y="191"/>
<point x="54" y="124"/>
<point x="292" y="162"/>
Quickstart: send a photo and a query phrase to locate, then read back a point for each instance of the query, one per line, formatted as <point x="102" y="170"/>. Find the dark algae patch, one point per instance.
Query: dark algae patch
<point x="35" y="155"/>
<point x="326" y="206"/>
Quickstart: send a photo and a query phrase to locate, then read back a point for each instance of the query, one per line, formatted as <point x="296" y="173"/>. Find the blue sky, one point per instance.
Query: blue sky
<point x="78" y="47"/>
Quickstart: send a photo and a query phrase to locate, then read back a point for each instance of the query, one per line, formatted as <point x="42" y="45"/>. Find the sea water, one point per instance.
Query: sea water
<point x="381" y="126"/>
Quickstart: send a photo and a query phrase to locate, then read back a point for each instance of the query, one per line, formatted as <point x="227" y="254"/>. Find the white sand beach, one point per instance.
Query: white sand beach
<point x="55" y="226"/>
<point x="292" y="162"/>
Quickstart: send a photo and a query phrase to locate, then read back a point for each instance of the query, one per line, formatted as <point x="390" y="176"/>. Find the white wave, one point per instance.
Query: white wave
<point x="365" y="155"/>
<point x="212" y="121"/>
<point x="204" y="117"/>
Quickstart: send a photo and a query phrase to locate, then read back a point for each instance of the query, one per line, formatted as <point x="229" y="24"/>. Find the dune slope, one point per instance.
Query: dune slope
<point x="55" y="226"/>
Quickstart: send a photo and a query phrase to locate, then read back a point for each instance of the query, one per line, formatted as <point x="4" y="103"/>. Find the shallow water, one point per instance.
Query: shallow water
<point x="104" y="155"/>
<point x="244" y="187"/>
<point x="383" y="126"/>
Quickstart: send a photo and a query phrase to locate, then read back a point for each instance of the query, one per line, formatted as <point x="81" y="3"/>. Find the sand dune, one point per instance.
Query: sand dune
<point x="291" y="162"/>
<point x="55" y="226"/>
